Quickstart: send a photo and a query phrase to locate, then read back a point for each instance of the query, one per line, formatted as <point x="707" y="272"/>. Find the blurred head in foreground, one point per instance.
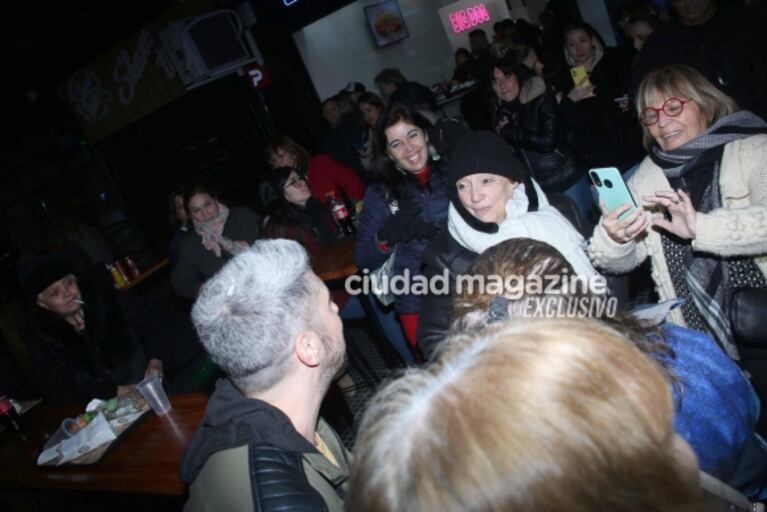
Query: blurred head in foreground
<point x="526" y="415"/>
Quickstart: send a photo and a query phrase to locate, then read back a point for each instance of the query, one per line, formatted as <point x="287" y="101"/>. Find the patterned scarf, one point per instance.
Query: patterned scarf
<point x="212" y="234"/>
<point x="729" y="128"/>
<point x="706" y="280"/>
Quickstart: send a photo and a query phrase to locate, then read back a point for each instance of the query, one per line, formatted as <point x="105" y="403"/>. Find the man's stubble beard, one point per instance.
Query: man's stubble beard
<point x="336" y="360"/>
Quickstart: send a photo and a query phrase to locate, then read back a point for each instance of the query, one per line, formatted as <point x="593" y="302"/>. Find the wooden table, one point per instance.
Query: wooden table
<point x="334" y="261"/>
<point x="144" y="460"/>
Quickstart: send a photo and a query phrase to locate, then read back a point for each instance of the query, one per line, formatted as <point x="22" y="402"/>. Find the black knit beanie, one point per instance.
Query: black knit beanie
<point x="485" y="152"/>
<point x="45" y="275"/>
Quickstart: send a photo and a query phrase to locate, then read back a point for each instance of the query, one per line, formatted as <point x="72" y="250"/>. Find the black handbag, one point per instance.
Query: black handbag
<point x="748" y="316"/>
<point x="555" y="171"/>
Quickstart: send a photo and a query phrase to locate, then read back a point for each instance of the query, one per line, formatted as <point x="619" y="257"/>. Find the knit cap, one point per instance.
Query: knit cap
<point x="485" y="152"/>
<point x="44" y="275"/>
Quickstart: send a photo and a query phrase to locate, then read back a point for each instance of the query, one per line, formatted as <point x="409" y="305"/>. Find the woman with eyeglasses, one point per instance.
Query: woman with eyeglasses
<point x="702" y="197"/>
<point x="296" y="215"/>
<point x="293" y="212"/>
<point x="324" y="174"/>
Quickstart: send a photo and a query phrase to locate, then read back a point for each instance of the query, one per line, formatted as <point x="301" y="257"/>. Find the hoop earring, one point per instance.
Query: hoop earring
<point x="399" y="167"/>
<point x="433" y="153"/>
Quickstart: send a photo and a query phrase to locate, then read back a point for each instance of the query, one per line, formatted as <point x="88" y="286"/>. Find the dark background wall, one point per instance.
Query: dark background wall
<point x="49" y="171"/>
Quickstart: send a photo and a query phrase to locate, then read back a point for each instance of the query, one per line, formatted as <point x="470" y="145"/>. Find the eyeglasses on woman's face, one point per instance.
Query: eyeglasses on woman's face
<point x="672" y="107"/>
<point x="293" y="180"/>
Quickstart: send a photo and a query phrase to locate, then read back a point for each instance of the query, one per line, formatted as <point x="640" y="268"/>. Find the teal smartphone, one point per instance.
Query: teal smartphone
<point x="612" y="189"/>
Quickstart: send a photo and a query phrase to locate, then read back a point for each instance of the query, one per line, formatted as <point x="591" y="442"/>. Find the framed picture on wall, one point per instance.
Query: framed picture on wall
<point x="386" y="23"/>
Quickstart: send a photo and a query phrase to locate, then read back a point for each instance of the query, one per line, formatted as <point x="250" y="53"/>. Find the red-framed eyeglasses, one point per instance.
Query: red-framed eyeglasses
<point x="672" y="107"/>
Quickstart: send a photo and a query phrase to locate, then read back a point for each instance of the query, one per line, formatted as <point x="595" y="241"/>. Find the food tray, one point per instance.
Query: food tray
<point x="136" y="407"/>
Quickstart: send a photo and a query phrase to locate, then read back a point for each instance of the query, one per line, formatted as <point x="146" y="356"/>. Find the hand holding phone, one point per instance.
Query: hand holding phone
<point x="612" y="189"/>
<point x="583" y="87"/>
<point x="629" y="221"/>
<point x="580" y="76"/>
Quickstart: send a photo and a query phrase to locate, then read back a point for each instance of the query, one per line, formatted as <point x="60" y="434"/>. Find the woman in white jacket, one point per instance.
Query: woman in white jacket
<point x="703" y="196"/>
<point x="492" y="199"/>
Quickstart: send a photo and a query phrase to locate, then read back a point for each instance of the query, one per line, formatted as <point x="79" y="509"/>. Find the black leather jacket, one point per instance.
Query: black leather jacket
<point x="532" y="129"/>
<point x="442" y="254"/>
<point x="276" y="452"/>
<point x="532" y="121"/>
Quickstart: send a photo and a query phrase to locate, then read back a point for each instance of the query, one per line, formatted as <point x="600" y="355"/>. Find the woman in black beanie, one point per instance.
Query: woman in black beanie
<point x="492" y="199"/>
<point x="85" y="341"/>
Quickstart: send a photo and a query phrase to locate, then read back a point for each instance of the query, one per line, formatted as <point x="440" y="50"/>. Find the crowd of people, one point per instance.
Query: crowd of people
<point x="505" y="407"/>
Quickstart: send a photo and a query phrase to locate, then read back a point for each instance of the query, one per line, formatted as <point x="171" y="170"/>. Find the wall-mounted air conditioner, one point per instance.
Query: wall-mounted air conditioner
<point x="209" y="46"/>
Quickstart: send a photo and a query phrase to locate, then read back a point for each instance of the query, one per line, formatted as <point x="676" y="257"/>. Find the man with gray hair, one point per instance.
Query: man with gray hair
<point x="268" y="321"/>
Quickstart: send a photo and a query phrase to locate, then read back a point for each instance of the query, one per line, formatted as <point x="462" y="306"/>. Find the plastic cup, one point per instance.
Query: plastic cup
<point x="153" y="392"/>
<point x="70" y="426"/>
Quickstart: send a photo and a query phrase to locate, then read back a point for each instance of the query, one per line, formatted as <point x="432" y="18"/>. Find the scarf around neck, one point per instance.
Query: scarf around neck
<point x="736" y="126"/>
<point x="707" y="279"/>
<point x="545" y="225"/>
<point x="212" y="234"/>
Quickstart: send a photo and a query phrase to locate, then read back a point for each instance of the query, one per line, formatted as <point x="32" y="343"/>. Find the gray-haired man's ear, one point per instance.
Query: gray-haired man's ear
<point x="308" y="348"/>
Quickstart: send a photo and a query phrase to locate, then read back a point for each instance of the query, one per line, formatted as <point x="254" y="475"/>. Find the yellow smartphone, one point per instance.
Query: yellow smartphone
<point x="580" y="76"/>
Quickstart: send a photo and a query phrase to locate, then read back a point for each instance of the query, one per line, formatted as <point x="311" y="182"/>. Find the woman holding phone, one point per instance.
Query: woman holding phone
<point x="591" y="84"/>
<point x="524" y="114"/>
<point x="704" y="192"/>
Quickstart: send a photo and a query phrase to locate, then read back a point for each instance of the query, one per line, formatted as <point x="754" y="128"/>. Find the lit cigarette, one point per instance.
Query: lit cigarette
<point x="79" y="301"/>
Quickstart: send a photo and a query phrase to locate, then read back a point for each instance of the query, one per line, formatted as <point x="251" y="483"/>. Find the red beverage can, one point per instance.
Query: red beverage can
<point x="123" y="269"/>
<point x="132" y="268"/>
<point x="9" y="415"/>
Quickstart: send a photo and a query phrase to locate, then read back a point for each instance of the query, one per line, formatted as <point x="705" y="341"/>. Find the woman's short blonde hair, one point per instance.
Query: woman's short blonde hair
<point x="682" y="82"/>
<point x="529" y="415"/>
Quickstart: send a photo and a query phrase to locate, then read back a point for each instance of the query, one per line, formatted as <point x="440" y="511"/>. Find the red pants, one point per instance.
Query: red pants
<point x="410" y="326"/>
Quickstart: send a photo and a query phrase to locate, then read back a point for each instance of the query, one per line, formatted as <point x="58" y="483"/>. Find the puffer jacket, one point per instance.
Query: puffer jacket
<point x="368" y="254"/>
<point x="533" y="130"/>
<point x="532" y="118"/>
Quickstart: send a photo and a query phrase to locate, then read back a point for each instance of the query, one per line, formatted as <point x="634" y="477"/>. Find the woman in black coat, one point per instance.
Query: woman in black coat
<point x="86" y="344"/>
<point x="218" y="233"/>
<point x="599" y="130"/>
<point x="524" y="114"/>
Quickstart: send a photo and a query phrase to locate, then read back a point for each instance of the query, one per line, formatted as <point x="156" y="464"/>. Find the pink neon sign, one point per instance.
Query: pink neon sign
<point x="465" y="19"/>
